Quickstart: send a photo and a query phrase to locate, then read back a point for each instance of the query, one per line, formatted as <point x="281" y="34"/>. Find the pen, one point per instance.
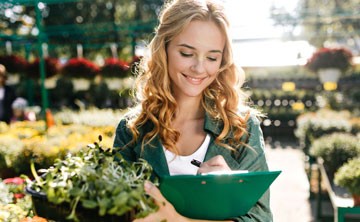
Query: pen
<point x="196" y="162"/>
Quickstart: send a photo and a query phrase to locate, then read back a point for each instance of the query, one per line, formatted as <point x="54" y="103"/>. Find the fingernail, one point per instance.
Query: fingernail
<point x="147" y="185"/>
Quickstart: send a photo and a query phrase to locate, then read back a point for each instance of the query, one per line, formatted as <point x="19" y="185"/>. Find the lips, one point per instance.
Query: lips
<point x="193" y="80"/>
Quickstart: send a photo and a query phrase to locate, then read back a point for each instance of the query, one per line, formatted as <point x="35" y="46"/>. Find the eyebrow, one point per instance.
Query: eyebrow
<point x="193" y="48"/>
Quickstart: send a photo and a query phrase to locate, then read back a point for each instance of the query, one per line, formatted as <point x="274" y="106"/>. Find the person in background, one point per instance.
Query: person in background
<point x="20" y="113"/>
<point x="7" y="97"/>
<point x="191" y="106"/>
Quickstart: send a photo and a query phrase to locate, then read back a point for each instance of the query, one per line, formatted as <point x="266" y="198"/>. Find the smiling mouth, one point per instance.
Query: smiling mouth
<point x="193" y="79"/>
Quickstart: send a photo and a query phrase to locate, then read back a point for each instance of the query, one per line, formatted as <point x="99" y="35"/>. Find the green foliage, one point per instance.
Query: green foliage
<point x="321" y="12"/>
<point x="348" y="176"/>
<point x="313" y="125"/>
<point x="95" y="22"/>
<point x="97" y="180"/>
<point x="335" y="149"/>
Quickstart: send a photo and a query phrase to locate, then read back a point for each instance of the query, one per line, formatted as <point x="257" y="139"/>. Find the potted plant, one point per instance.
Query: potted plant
<point x="51" y="68"/>
<point x="95" y="184"/>
<point x="335" y="150"/>
<point x="114" y="67"/>
<point x="312" y="125"/>
<point x="330" y="63"/>
<point x="348" y="176"/>
<point x="80" y="68"/>
<point x="14" y="63"/>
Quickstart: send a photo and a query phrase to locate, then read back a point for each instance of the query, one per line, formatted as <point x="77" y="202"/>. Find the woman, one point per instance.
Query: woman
<point x="191" y="106"/>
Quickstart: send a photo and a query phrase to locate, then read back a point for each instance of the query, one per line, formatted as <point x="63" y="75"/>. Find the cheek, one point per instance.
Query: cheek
<point x="213" y="69"/>
<point x="171" y="61"/>
<point x="178" y="63"/>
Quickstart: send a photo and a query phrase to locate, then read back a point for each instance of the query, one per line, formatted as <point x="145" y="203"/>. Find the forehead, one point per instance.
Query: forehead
<point x="202" y="35"/>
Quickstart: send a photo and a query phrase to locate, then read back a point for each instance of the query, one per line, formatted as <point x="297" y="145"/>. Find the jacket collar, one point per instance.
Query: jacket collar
<point x="212" y="125"/>
<point x="154" y="153"/>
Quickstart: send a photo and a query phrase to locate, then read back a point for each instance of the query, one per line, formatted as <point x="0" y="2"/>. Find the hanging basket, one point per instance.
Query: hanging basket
<point x="80" y="68"/>
<point x="329" y="75"/>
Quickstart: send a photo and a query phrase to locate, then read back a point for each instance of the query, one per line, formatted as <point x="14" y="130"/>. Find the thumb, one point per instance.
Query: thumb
<point x="154" y="192"/>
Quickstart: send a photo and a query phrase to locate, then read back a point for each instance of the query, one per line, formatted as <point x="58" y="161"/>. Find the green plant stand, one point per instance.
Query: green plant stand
<point x="342" y="206"/>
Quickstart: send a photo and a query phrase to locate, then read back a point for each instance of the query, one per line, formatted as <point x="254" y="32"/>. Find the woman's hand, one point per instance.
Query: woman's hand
<point x="166" y="210"/>
<point x="217" y="163"/>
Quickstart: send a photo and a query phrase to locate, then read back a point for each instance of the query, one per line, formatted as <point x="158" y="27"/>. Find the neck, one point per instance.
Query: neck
<point x="190" y="109"/>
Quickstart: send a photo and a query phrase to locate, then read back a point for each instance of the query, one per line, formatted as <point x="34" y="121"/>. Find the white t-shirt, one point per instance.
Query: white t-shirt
<point x="2" y="93"/>
<point x="179" y="165"/>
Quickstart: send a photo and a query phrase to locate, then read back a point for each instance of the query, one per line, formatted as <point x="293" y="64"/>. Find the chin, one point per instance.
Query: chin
<point x="193" y="94"/>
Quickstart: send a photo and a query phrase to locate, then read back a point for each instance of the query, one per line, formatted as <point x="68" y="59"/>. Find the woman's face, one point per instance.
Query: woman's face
<point x="194" y="58"/>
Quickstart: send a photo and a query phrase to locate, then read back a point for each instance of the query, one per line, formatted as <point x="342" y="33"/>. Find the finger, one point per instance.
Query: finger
<point x="217" y="160"/>
<point x="149" y="218"/>
<point x="210" y="169"/>
<point x="154" y="192"/>
<point x="217" y="163"/>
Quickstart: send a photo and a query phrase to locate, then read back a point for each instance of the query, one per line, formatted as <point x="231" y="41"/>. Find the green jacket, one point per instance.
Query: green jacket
<point x="245" y="158"/>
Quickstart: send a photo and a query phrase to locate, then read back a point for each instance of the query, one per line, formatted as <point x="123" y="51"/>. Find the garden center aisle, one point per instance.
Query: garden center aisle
<point x="290" y="191"/>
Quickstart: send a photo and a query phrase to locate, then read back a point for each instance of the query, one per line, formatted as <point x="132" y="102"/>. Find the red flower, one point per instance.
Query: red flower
<point x="34" y="219"/>
<point x="16" y="186"/>
<point x="115" y="68"/>
<point x="51" y="67"/>
<point x="14" y="180"/>
<point x="80" y="67"/>
<point x="14" y="63"/>
<point x="330" y="58"/>
<point x="19" y="195"/>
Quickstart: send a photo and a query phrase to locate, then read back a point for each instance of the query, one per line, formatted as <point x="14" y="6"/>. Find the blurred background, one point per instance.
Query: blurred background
<point x="72" y="62"/>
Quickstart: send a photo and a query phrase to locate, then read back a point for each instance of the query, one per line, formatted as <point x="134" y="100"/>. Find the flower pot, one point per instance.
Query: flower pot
<point x="329" y="75"/>
<point x="80" y="83"/>
<point x="356" y="199"/>
<point x="58" y="212"/>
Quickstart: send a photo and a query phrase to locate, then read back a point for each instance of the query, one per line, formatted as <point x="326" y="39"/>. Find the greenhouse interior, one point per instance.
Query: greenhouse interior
<point x="86" y="92"/>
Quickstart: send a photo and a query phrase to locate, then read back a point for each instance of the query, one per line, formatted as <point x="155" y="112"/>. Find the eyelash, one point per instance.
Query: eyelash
<point x="189" y="55"/>
<point x="185" y="54"/>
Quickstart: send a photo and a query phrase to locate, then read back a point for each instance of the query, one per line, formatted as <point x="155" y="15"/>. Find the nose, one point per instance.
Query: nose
<point x="198" y="66"/>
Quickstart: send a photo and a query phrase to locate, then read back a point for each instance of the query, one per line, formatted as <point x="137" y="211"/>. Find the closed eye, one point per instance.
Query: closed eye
<point x="185" y="54"/>
<point x="212" y="59"/>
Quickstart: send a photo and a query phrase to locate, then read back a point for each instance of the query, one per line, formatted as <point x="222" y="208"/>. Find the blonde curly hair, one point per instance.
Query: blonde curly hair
<point x="153" y="86"/>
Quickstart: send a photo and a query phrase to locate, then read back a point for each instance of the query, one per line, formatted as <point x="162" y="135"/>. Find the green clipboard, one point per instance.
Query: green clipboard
<point x="216" y="197"/>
